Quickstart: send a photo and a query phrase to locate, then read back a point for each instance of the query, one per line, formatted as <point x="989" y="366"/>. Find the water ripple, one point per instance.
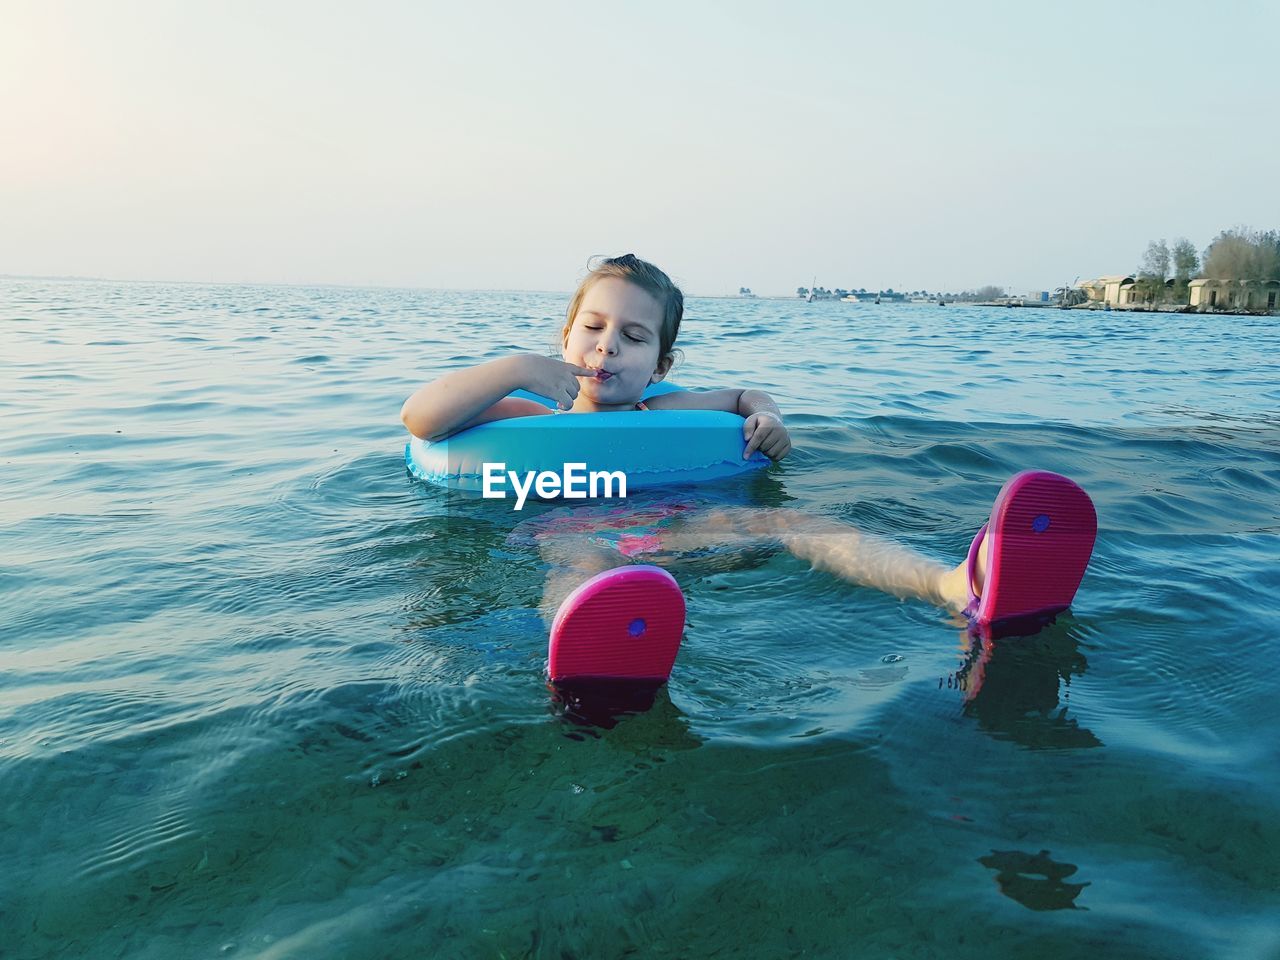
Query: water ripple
<point x="258" y="685"/>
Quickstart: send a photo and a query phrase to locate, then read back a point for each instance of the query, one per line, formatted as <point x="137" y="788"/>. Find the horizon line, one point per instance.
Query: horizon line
<point x="74" y="278"/>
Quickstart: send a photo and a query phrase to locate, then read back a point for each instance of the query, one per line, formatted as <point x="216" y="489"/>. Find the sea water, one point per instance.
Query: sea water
<point x="263" y="696"/>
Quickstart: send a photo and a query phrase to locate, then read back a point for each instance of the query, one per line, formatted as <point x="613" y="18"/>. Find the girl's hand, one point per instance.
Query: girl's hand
<point x="551" y="378"/>
<point x="765" y="432"/>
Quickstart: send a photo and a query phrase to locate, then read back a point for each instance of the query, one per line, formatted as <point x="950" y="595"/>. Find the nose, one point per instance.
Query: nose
<point x="608" y="343"/>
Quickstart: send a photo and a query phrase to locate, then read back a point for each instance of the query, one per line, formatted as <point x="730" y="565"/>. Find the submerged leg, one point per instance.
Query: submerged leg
<point x="834" y="547"/>
<point x="573" y="560"/>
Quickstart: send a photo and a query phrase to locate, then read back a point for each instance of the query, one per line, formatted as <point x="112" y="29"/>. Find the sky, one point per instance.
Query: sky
<point x="911" y="145"/>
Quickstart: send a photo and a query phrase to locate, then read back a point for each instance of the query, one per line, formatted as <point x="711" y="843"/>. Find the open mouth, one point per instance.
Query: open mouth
<point x="603" y="375"/>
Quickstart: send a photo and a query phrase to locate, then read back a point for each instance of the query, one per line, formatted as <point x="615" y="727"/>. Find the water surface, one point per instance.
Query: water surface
<point x="263" y="696"/>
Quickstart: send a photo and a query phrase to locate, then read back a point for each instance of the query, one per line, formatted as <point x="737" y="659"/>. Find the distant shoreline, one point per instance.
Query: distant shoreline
<point x="778" y="298"/>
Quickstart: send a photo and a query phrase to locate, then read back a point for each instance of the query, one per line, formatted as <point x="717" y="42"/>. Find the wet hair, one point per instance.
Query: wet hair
<point x="648" y="278"/>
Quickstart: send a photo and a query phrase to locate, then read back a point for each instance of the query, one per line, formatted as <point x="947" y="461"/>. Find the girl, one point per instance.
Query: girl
<point x="618" y="338"/>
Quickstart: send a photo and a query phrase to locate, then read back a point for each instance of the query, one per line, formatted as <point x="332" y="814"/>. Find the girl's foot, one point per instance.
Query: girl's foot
<point x="623" y="624"/>
<point x="1028" y="560"/>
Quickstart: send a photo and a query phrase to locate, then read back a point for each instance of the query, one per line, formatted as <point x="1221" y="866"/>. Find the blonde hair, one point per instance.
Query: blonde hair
<point x="648" y="278"/>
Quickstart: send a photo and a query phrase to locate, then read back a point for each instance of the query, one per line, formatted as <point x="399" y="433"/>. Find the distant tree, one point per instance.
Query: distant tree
<point x="1155" y="262"/>
<point x="1154" y="271"/>
<point x="1185" y="262"/>
<point x="1069" y="296"/>
<point x="1243" y="254"/>
<point x="802" y="291"/>
<point x="988" y="292"/>
<point x="1185" y="266"/>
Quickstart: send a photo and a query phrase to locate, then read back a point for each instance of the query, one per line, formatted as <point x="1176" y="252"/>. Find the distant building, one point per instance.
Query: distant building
<point x="1209" y="294"/>
<point x="1204" y="294"/>
<point x="1119" y="290"/>
<point x="1114" y="290"/>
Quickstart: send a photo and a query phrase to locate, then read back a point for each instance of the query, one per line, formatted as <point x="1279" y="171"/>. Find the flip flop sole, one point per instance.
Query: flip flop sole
<point x="623" y="624"/>
<point x="1042" y="531"/>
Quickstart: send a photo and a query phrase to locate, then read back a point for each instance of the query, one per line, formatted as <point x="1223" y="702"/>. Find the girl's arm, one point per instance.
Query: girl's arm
<point x="442" y="406"/>
<point x="742" y="402"/>
<point x="478" y="394"/>
<point x="763" y="428"/>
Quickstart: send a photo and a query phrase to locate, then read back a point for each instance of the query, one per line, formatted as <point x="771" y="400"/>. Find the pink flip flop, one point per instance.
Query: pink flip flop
<point x="1042" y="529"/>
<point x="623" y="624"/>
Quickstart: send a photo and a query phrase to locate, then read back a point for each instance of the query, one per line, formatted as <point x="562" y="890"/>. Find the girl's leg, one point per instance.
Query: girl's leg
<point x="573" y="560"/>
<point x="834" y="547"/>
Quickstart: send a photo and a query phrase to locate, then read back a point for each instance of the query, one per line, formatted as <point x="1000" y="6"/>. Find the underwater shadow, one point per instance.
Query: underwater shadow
<point x="589" y="707"/>
<point x="1034" y="880"/>
<point x="1011" y="679"/>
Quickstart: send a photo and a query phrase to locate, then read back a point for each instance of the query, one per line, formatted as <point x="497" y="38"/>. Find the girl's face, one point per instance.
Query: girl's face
<point x="615" y="331"/>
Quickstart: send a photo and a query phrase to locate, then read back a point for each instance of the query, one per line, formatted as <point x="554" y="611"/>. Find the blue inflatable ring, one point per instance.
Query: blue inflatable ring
<point x="653" y="448"/>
